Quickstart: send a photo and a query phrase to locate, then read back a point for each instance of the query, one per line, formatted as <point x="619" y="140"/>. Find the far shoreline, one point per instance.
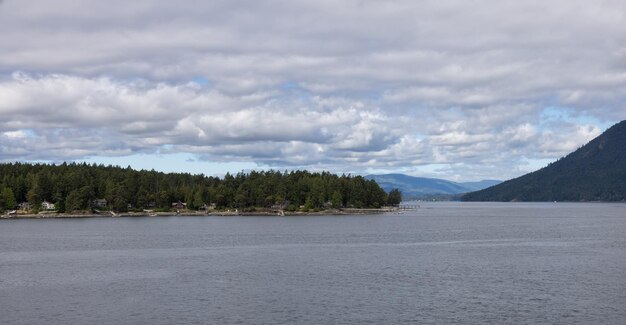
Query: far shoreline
<point x="227" y="213"/>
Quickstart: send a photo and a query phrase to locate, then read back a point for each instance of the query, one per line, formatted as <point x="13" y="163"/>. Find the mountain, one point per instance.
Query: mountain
<point x="421" y="187"/>
<point x="476" y="186"/>
<point x="595" y="172"/>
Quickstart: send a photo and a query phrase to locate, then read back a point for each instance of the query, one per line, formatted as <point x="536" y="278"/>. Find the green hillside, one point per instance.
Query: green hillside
<point x="595" y="172"/>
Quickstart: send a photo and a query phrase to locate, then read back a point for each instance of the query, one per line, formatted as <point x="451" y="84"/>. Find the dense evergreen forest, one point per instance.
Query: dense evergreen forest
<point x="75" y="187"/>
<point x="595" y="172"/>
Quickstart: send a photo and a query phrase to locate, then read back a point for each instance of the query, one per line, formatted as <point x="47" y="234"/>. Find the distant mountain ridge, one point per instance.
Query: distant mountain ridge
<point x="420" y="187"/>
<point x="595" y="172"/>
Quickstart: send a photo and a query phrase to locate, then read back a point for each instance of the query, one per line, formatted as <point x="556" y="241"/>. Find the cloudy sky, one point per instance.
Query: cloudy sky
<point x="462" y="90"/>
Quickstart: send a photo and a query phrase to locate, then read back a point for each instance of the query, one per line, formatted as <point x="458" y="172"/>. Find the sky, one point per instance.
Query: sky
<point x="461" y="90"/>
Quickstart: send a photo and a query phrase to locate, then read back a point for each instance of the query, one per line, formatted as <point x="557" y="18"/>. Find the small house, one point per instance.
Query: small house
<point x="280" y="205"/>
<point x="99" y="203"/>
<point x="205" y="207"/>
<point x="45" y="205"/>
<point x="179" y="205"/>
<point x="24" y="206"/>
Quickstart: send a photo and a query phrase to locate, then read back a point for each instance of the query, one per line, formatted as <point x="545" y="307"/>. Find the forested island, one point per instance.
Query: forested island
<point x="84" y="188"/>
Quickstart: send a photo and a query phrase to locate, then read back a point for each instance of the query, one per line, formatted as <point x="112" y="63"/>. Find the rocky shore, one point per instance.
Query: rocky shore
<point x="108" y="214"/>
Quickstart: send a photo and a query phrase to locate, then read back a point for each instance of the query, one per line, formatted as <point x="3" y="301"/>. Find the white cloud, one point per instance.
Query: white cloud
<point x="19" y="134"/>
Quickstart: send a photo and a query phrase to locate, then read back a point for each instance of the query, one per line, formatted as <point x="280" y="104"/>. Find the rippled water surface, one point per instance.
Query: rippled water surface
<point x="447" y="263"/>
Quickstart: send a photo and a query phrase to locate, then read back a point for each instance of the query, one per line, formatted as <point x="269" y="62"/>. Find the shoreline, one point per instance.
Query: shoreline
<point x="332" y="212"/>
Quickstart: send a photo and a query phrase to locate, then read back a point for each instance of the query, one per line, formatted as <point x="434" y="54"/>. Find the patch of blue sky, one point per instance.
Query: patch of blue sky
<point x="378" y="171"/>
<point x="531" y="165"/>
<point x="202" y="81"/>
<point x="173" y="163"/>
<point x="430" y="170"/>
<point x="30" y="133"/>
<point x="290" y="86"/>
<point x="294" y="90"/>
<point x="551" y="114"/>
<point x="420" y="136"/>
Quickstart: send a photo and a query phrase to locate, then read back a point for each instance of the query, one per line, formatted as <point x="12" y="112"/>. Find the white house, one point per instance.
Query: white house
<point x="45" y="205"/>
<point x="205" y="207"/>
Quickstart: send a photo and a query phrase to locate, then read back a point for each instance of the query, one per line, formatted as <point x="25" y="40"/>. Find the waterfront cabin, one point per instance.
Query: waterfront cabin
<point x="205" y="207"/>
<point x="99" y="203"/>
<point x="280" y="205"/>
<point x="45" y="205"/>
<point x="179" y="205"/>
<point x="24" y="206"/>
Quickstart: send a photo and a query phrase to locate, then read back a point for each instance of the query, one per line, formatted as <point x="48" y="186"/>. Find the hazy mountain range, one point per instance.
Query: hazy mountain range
<point x="422" y="187"/>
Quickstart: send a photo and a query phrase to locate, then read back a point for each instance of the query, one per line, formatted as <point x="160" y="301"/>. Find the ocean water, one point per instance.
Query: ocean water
<point x="446" y="263"/>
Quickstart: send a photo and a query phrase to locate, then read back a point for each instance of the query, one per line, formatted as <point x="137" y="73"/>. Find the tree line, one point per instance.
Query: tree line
<point x="75" y="186"/>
